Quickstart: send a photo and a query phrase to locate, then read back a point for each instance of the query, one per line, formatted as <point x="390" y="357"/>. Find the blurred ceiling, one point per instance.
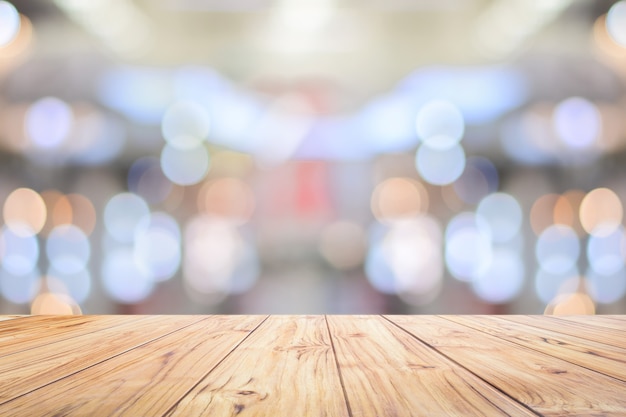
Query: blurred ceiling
<point x="359" y="48"/>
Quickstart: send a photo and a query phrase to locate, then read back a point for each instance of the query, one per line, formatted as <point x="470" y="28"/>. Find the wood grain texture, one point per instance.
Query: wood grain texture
<point x="608" y="360"/>
<point x="286" y="368"/>
<point x="19" y="336"/>
<point x="143" y="382"/>
<point x="45" y="364"/>
<point x="549" y="385"/>
<point x="612" y="322"/>
<point x="585" y="330"/>
<point x="345" y="366"/>
<point x="422" y="381"/>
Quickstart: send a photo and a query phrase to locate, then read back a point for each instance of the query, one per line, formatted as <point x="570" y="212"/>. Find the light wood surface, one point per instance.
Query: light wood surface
<point x="312" y="366"/>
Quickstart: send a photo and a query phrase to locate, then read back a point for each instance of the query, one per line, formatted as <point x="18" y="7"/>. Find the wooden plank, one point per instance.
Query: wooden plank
<point x="612" y="322"/>
<point x="41" y="331"/>
<point x="548" y="385"/>
<point x="286" y="368"/>
<point x="26" y="371"/>
<point x="606" y="359"/>
<point x="386" y="372"/>
<point x="145" y="381"/>
<point x="584" y="330"/>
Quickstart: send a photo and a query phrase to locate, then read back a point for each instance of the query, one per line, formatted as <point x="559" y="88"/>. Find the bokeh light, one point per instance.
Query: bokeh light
<point x="548" y="285"/>
<point x="504" y="278"/>
<point x="542" y="213"/>
<point x="504" y="215"/>
<point x="601" y="212"/>
<point x="185" y="125"/>
<point x="468" y="249"/>
<point x="19" y="289"/>
<point x="440" y="166"/>
<point x="479" y="179"/>
<point x="9" y="23"/>
<point x="24" y="212"/>
<point x="48" y="122"/>
<point x="616" y="22"/>
<point x="217" y="260"/>
<point x="575" y="303"/>
<point x="413" y="251"/>
<point x="228" y="198"/>
<point x="343" y="244"/>
<point x="399" y="198"/>
<point x="68" y="249"/>
<point x="123" y="279"/>
<point x="440" y="124"/>
<point x="185" y="166"/>
<point x="557" y="249"/>
<point x="577" y="122"/>
<point x="146" y="179"/>
<point x="607" y="288"/>
<point x="157" y="247"/>
<point x="54" y="304"/>
<point x="19" y="253"/>
<point x="566" y="210"/>
<point x="122" y="214"/>
<point x="77" y="284"/>
<point x="605" y="252"/>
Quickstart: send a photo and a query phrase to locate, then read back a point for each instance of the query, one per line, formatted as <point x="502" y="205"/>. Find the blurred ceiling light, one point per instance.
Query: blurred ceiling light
<point x="387" y="124"/>
<point x="140" y="93"/>
<point x="120" y="24"/>
<point x="616" y="22"/>
<point x="505" y="25"/>
<point x="9" y="23"/>
<point x="281" y="129"/>
<point x="303" y="16"/>
<point x="482" y="94"/>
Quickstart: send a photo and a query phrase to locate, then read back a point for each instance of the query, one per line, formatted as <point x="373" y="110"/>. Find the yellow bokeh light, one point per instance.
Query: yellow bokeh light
<point x="54" y="304"/>
<point x="83" y="212"/>
<point x="542" y="212"/>
<point x="571" y="304"/>
<point x="399" y="198"/>
<point x="24" y="212"/>
<point x="566" y="210"/>
<point x="601" y="212"/>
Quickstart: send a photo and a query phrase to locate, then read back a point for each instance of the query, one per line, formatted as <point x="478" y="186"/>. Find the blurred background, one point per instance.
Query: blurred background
<point x="312" y="156"/>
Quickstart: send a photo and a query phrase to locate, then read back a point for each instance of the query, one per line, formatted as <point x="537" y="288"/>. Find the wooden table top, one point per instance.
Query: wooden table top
<point x="312" y="365"/>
